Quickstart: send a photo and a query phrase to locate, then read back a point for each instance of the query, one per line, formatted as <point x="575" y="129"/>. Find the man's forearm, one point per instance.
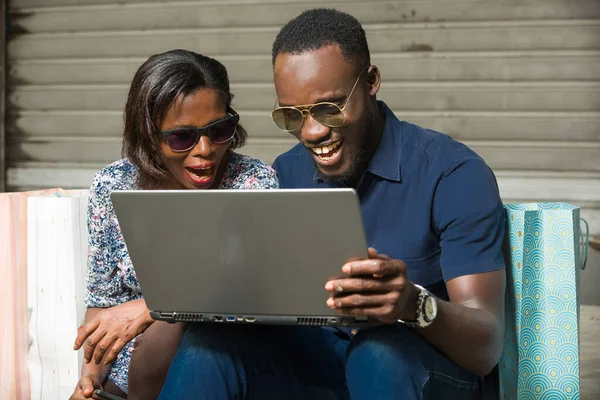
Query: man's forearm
<point x="470" y="337"/>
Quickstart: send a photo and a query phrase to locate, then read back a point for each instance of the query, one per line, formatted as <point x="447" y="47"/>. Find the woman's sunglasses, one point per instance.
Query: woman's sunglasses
<point x="185" y="139"/>
<point x="291" y="119"/>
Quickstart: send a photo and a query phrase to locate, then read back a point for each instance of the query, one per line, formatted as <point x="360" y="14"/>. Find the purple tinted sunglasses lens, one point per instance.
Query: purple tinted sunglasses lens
<point x="182" y="139"/>
<point x="221" y="133"/>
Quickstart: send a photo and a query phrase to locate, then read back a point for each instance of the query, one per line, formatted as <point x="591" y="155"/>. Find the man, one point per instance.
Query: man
<point x="429" y="204"/>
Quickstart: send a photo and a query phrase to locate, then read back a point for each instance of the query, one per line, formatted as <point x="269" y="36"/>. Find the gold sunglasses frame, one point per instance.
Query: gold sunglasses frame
<point x="304" y="110"/>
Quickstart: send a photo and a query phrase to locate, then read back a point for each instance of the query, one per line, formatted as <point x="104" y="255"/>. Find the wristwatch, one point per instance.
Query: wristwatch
<point x="426" y="309"/>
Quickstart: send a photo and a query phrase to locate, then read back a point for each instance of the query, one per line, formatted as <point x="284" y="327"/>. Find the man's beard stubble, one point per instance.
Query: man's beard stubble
<point x="358" y="161"/>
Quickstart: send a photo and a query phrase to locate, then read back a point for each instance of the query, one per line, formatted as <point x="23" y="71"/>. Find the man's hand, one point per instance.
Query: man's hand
<point x="108" y="331"/>
<point x="377" y="287"/>
<point x="85" y="388"/>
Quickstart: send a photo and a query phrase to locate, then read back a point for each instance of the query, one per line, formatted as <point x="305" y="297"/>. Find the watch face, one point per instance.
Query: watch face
<point x="430" y="308"/>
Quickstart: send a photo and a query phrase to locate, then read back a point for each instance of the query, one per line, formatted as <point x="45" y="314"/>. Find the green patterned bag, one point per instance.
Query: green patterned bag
<point x="546" y="250"/>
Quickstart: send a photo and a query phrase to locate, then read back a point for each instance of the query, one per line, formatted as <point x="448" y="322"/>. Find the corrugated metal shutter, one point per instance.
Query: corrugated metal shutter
<point x="517" y="80"/>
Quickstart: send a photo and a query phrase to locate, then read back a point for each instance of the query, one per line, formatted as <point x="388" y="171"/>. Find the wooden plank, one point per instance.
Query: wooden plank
<point x="406" y="96"/>
<point x="539" y="156"/>
<point x="184" y="15"/>
<point x="576" y="8"/>
<point x="510" y="155"/>
<point x="449" y="66"/>
<point x="408" y="37"/>
<point x="45" y="4"/>
<point x="462" y="125"/>
<point x="527" y="187"/>
<point x="515" y="186"/>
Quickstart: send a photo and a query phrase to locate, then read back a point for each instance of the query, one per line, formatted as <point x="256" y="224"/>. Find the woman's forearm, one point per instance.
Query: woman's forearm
<point x="98" y="370"/>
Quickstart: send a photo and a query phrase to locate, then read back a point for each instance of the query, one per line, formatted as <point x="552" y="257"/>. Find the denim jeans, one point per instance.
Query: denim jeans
<point x="220" y="361"/>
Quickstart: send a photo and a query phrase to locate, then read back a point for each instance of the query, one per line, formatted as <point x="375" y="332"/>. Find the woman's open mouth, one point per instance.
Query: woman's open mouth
<point x="200" y="175"/>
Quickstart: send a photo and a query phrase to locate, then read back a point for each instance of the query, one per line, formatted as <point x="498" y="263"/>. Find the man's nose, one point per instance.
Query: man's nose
<point x="314" y="131"/>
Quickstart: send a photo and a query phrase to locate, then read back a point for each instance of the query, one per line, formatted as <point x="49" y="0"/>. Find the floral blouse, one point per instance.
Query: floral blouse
<point x="111" y="279"/>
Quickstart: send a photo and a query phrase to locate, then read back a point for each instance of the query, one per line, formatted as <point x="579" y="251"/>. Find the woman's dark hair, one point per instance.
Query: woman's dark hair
<point x="155" y="87"/>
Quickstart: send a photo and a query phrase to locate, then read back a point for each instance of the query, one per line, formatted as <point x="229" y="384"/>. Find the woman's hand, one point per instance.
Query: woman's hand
<point x="104" y="335"/>
<point x="85" y="388"/>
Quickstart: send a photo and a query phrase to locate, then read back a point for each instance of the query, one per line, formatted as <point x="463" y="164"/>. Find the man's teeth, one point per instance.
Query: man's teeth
<point x="327" y="149"/>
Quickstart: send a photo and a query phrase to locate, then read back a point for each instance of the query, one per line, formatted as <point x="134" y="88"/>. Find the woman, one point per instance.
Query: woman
<point x="179" y="134"/>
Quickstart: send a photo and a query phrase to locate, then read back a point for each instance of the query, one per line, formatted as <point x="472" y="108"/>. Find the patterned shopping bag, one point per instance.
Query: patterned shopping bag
<point x="545" y="250"/>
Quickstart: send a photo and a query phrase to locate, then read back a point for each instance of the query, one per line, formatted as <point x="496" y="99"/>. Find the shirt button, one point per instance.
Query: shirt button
<point x="353" y="332"/>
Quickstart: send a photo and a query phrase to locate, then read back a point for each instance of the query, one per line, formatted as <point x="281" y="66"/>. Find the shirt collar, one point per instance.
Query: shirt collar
<point x="386" y="160"/>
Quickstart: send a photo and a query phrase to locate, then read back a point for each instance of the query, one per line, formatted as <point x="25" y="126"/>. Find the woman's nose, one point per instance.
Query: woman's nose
<point x="204" y="148"/>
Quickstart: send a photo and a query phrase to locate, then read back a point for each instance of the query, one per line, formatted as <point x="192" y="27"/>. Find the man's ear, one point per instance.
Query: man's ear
<point x="373" y="79"/>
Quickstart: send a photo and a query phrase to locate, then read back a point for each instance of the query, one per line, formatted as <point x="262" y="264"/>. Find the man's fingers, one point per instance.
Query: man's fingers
<point x="372" y="253"/>
<point x="383" y="313"/>
<point x="355" y="300"/>
<point x="340" y="286"/>
<point x="373" y="312"/>
<point x="377" y="267"/>
<point x="84" y="331"/>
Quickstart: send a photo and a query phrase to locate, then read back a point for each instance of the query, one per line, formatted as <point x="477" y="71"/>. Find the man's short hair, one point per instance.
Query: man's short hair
<point x="320" y="27"/>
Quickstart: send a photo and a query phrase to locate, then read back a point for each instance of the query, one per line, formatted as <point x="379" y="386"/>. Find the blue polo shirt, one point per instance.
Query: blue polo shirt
<point x="425" y="199"/>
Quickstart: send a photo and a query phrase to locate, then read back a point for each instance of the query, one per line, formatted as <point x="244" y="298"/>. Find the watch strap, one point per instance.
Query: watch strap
<point x="420" y="322"/>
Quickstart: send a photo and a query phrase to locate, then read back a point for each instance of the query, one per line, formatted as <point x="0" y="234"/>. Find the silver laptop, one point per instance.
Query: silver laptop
<point x="241" y="256"/>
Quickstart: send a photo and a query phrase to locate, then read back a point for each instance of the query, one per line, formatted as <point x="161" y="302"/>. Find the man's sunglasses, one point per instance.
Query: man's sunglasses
<point x="291" y="119"/>
<point x="185" y="139"/>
